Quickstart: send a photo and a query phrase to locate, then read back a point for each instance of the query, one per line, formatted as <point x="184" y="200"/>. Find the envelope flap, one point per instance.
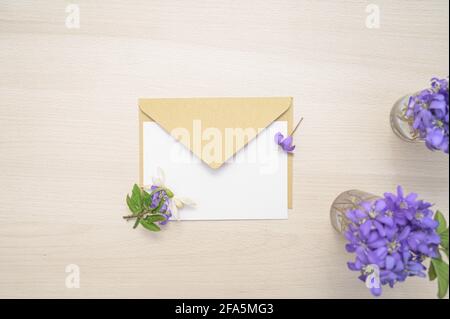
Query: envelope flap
<point x="217" y="128"/>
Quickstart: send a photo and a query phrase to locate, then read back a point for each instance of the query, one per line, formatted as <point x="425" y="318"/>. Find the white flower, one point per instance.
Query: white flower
<point x="175" y="202"/>
<point x="180" y="203"/>
<point x="160" y="178"/>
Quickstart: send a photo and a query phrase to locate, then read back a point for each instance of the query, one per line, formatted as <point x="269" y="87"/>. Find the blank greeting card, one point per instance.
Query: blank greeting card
<point x="221" y="154"/>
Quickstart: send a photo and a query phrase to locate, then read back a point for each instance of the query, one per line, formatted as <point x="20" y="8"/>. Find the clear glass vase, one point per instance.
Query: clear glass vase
<point x="346" y="201"/>
<point x="401" y="125"/>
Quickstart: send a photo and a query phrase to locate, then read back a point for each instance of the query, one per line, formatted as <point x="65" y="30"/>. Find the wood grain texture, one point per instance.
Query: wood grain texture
<point x="69" y="138"/>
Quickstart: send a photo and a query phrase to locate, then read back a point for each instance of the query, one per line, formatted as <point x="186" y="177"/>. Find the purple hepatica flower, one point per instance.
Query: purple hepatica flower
<point x="157" y="197"/>
<point x="395" y="233"/>
<point x="429" y="112"/>
<point x="285" y="143"/>
<point x="437" y="139"/>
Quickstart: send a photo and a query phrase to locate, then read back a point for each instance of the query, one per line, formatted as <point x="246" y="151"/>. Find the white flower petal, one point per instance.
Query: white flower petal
<point x="174" y="210"/>
<point x="157" y="182"/>
<point x="147" y="188"/>
<point x="187" y="201"/>
<point x="160" y="174"/>
<point x="178" y="202"/>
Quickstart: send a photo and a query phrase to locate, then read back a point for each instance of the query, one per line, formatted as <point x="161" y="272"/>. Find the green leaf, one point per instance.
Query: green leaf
<point x="136" y="194"/>
<point x="155" y="218"/>
<point x="135" y="201"/>
<point x="441" y="268"/>
<point x="134" y="208"/>
<point x="149" y="225"/>
<point x="432" y="272"/>
<point x="146" y="199"/>
<point x="439" y="217"/>
<point x="130" y="206"/>
<point x="444" y="239"/>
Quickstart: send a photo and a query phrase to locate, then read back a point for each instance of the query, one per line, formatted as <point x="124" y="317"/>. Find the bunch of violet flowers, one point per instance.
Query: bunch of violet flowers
<point x="161" y="198"/>
<point x="428" y="112"/>
<point x="150" y="207"/>
<point x="153" y="206"/>
<point x="286" y="143"/>
<point x="397" y="234"/>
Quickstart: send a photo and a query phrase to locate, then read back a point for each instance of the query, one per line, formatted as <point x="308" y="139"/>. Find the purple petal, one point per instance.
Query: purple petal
<point x="366" y="227"/>
<point x="435" y="137"/>
<point x="388" y="221"/>
<point x="438" y="105"/>
<point x="434" y="239"/>
<point x="423" y="249"/>
<point x="349" y="236"/>
<point x="390" y="262"/>
<point x="405" y="233"/>
<point x="350" y="248"/>
<point x="360" y="214"/>
<point x="373" y="236"/>
<point x="287" y="144"/>
<point x="411" y="198"/>
<point x="378" y="243"/>
<point x="430" y="223"/>
<point x="380" y="205"/>
<point x="400" y="191"/>
<point x="288" y="140"/>
<point x="288" y="148"/>
<point x="353" y="266"/>
<point x="399" y="266"/>
<point x="279" y="138"/>
<point x="376" y="291"/>
<point x="366" y="205"/>
<point x="380" y="228"/>
<point x="352" y="216"/>
<point x="381" y="252"/>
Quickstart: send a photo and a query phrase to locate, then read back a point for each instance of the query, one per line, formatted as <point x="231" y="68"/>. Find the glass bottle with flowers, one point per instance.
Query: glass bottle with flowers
<point x="423" y="117"/>
<point x="392" y="237"/>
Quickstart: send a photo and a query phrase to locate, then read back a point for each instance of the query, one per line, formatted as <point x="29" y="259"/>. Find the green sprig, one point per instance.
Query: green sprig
<point x="438" y="267"/>
<point x="139" y="204"/>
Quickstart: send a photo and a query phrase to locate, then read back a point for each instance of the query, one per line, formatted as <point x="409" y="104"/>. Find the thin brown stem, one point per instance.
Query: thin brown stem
<point x="297" y="126"/>
<point x="140" y="215"/>
<point x="145" y="212"/>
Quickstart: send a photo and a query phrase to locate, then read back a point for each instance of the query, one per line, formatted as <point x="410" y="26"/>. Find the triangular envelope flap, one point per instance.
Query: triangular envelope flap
<point x="208" y="119"/>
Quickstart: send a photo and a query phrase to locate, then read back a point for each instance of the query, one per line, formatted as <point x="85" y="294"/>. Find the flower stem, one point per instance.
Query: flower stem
<point x="145" y="212"/>
<point x="140" y="215"/>
<point x="297" y="126"/>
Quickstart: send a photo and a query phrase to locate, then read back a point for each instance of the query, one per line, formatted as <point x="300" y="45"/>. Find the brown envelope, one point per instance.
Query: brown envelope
<point x="220" y="113"/>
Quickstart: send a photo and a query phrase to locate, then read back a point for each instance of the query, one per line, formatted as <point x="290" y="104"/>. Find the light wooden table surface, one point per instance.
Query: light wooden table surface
<point x="69" y="138"/>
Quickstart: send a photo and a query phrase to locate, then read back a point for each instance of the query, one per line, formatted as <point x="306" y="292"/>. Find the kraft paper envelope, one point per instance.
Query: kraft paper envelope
<point x="218" y="113"/>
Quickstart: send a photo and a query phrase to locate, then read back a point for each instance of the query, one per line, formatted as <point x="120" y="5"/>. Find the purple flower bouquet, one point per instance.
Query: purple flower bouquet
<point x="424" y="116"/>
<point x="152" y="206"/>
<point x="392" y="237"/>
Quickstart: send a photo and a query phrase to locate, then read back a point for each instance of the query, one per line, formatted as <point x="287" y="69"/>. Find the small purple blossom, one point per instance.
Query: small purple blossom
<point x="429" y="112"/>
<point x="285" y="143"/>
<point x="396" y="233"/>
<point x="157" y="197"/>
